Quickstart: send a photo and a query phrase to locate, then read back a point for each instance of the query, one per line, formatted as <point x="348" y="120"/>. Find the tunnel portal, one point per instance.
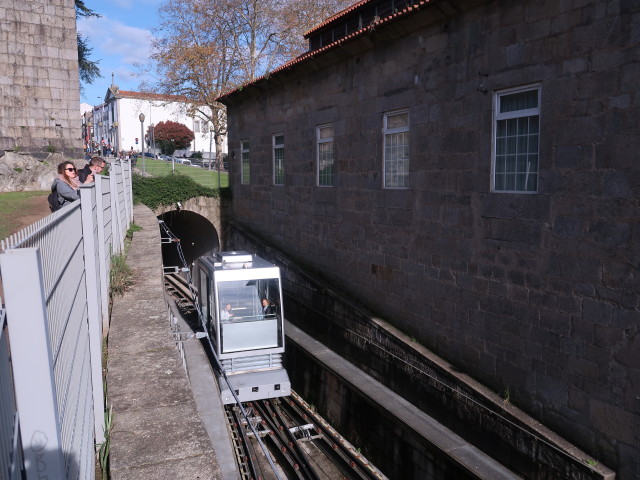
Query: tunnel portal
<point x="197" y="237"/>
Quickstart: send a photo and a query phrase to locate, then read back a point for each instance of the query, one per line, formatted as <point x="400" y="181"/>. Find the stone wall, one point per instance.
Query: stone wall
<point x="536" y="295"/>
<point x="483" y="418"/>
<point x="39" y="87"/>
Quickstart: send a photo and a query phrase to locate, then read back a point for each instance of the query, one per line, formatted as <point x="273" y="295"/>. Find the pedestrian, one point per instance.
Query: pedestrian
<point x="65" y="184"/>
<point x="94" y="166"/>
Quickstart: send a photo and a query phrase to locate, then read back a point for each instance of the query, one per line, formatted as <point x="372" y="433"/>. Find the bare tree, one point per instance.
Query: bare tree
<point x="205" y="48"/>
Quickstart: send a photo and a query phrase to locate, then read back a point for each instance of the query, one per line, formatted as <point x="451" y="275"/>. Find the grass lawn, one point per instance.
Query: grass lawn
<point x="16" y="206"/>
<point x="158" y="168"/>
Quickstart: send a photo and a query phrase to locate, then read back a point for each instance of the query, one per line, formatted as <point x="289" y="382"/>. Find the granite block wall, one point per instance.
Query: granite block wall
<point x="537" y="294"/>
<point x="39" y="86"/>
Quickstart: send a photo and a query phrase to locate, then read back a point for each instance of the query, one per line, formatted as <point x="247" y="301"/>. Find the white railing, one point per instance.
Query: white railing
<point x="55" y="277"/>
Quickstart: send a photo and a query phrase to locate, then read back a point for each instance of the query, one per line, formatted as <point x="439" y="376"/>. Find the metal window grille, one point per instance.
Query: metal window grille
<point x="246" y="166"/>
<point x="326" y="170"/>
<point x="278" y="159"/>
<point x="396" y="149"/>
<point x="516" y="143"/>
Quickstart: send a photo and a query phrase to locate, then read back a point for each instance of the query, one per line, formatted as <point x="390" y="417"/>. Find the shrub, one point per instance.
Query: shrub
<point x="167" y="190"/>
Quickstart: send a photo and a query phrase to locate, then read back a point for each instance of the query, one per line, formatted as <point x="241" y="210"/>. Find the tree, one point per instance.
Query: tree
<point x="172" y="136"/>
<point x="87" y="68"/>
<point x="205" y="48"/>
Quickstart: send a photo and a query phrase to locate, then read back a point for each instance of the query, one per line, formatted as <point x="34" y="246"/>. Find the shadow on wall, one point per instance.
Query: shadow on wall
<point x="43" y="462"/>
<point x="197" y="237"/>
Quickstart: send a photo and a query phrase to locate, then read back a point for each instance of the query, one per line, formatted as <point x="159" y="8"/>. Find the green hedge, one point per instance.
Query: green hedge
<point x="169" y="189"/>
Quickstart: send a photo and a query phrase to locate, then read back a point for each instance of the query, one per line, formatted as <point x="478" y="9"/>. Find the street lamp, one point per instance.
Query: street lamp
<point x="173" y="149"/>
<point x="115" y="127"/>
<point x="210" y="138"/>
<point x="90" y="134"/>
<point x="100" y="148"/>
<point x="141" y="118"/>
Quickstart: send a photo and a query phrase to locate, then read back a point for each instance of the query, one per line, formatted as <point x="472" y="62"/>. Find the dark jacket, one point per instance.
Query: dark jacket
<point x="84" y="173"/>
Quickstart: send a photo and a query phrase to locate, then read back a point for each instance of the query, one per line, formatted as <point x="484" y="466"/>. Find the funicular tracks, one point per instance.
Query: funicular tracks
<point x="300" y="443"/>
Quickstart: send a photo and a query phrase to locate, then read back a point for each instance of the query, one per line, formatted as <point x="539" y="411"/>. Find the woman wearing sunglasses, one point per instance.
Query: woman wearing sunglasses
<point x="65" y="184"/>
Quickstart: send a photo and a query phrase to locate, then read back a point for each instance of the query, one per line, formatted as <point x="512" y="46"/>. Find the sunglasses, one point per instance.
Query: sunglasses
<point x="70" y="169"/>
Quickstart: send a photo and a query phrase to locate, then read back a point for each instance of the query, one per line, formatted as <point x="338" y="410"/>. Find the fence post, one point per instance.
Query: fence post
<point x="130" y="189"/>
<point x="116" y="225"/>
<point x="32" y="363"/>
<point x="89" y="234"/>
<point x="102" y="255"/>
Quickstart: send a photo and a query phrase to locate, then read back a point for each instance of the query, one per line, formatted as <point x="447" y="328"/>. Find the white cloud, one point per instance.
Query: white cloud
<point x="112" y="38"/>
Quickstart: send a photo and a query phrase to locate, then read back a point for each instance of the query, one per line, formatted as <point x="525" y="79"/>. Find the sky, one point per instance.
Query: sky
<point x="120" y="39"/>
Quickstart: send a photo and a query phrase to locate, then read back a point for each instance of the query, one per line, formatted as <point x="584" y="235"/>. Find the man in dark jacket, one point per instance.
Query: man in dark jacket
<point x="86" y="175"/>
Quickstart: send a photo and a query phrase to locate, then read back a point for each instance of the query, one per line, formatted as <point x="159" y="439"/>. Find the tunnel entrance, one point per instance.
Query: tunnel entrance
<point x="197" y="236"/>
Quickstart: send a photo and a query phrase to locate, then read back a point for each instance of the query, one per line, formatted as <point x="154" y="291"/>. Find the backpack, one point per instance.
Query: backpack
<point x="55" y="202"/>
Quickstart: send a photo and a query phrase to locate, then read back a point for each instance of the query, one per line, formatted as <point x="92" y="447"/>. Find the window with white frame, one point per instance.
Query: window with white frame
<point x="326" y="168"/>
<point x="517" y="137"/>
<point x="196" y="126"/>
<point x="278" y="159"/>
<point x="245" y="169"/>
<point x="396" y="149"/>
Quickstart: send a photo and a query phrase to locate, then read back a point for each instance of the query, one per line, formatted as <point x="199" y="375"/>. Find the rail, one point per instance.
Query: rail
<point x="55" y="275"/>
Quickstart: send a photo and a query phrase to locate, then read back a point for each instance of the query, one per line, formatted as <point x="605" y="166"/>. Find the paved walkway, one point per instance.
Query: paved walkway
<point x="157" y="432"/>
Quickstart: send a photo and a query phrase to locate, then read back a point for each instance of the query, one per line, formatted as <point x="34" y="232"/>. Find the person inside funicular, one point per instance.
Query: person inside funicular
<point x="226" y="314"/>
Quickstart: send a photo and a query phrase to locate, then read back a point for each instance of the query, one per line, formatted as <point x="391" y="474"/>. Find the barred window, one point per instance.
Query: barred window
<point x="396" y="149"/>
<point x="278" y="159"/>
<point x="326" y="168"/>
<point x="516" y="142"/>
<point x="245" y="169"/>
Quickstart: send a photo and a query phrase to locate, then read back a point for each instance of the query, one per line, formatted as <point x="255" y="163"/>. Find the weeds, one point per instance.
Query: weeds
<point x="505" y="395"/>
<point x="120" y="277"/>
<point x="103" y="451"/>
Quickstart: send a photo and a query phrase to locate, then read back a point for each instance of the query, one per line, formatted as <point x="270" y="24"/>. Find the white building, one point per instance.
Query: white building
<point x="116" y="122"/>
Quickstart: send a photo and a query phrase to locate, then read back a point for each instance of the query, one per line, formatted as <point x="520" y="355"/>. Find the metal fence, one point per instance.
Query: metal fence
<point x="202" y="172"/>
<point x="55" y="276"/>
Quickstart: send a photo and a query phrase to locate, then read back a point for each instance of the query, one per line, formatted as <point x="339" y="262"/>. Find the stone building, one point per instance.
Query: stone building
<point x="39" y="85"/>
<point x="468" y="170"/>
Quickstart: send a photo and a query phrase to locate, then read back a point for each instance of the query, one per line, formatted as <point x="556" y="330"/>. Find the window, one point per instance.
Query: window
<point x="278" y="159"/>
<point x="326" y="171"/>
<point x="244" y="160"/>
<point x="396" y="149"/>
<point x="196" y="126"/>
<point x="517" y="128"/>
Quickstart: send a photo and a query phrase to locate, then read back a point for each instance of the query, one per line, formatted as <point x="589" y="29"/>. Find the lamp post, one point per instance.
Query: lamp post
<point x="141" y="118"/>
<point x="173" y="158"/>
<point x="117" y="143"/>
<point x="100" y="148"/>
<point x="210" y="137"/>
<point x="90" y="134"/>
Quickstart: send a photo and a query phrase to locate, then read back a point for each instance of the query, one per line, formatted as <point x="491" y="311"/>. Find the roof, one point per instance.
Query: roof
<point x="410" y="9"/>
<point x="151" y="96"/>
<point x="336" y="16"/>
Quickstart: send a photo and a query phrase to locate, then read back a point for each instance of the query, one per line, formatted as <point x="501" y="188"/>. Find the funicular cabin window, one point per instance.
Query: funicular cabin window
<point x="244" y="326"/>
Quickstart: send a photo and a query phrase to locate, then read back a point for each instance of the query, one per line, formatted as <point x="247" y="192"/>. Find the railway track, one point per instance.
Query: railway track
<point x="300" y="443"/>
